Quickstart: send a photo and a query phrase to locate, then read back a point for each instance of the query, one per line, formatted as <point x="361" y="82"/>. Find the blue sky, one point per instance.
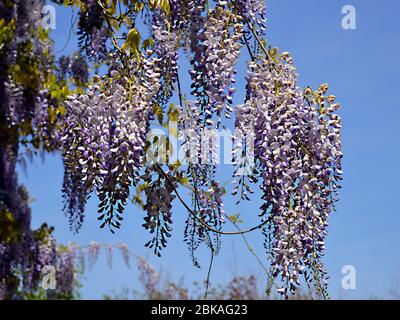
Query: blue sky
<point x="362" y="69"/>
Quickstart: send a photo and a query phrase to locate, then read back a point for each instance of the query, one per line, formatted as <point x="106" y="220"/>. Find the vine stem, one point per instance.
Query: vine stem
<point x="72" y="22"/>
<point x="179" y="90"/>
<point x="114" y="40"/>
<point x="251" y="250"/>
<point x="254" y="33"/>
<point x="201" y="220"/>
<point x="209" y="272"/>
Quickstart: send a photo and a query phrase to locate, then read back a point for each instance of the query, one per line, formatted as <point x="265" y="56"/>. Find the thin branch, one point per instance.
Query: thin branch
<point x="201" y="220"/>
<point x="254" y="32"/>
<point x="114" y="40"/>
<point x="209" y="272"/>
<point x="179" y="89"/>
<point x="69" y="32"/>
<point x="251" y="250"/>
<point x="248" y="48"/>
<point x="253" y="253"/>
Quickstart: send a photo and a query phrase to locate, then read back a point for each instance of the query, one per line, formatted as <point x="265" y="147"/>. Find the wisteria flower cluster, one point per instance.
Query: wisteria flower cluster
<point x="28" y="119"/>
<point x="159" y="196"/>
<point x="287" y="139"/>
<point x="222" y="48"/>
<point x="91" y="31"/>
<point x="104" y="140"/>
<point x="298" y="152"/>
<point x="148" y="276"/>
<point x="215" y="45"/>
<point x="208" y="200"/>
<point x="166" y="45"/>
<point x="200" y="150"/>
<point x="254" y="11"/>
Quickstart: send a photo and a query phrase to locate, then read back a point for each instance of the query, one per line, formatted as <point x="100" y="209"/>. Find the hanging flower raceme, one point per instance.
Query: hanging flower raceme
<point x="92" y="35"/>
<point x="166" y="44"/>
<point x="253" y="11"/>
<point x="210" y="204"/>
<point x="104" y="140"/>
<point x="197" y="59"/>
<point x="180" y="12"/>
<point x="93" y="253"/>
<point x="222" y="36"/>
<point x="66" y="273"/>
<point x="200" y="149"/>
<point x="287" y="140"/>
<point x="297" y="149"/>
<point x="215" y="46"/>
<point x="14" y="97"/>
<point x="99" y="43"/>
<point x="159" y="196"/>
<point x="47" y="122"/>
<point x="79" y="69"/>
<point x="245" y="172"/>
<point x="148" y="276"/>
<point x="191" y="128"/>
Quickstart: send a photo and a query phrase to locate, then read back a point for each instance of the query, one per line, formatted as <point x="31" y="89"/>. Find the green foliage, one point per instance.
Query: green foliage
<point x="43" y="232"/>
<point x="132" y="42"/>
<point x="160" y="4"/>
<point x="10" y="230"/>
<point x="26" y="70"/>
<point x="6" y="32"/>
<point x="148" y="44"/>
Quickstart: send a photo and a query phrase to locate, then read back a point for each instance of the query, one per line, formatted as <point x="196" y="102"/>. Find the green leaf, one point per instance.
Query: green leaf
<point x="132" y="41"/>
<point x="235" y="218"/>
<point x="148" y="43"/>
<point x="161" y="4"/>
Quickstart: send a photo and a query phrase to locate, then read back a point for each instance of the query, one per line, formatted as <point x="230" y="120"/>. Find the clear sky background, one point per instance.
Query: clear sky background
<point x="362" y="68"/>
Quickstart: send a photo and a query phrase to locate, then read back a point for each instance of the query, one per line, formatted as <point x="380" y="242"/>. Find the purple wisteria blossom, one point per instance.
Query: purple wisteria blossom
<point x="104" y="141"/>
<point x="222" y="47"/>
<point x="287" y="139"/>
<point x="297" y="147"/>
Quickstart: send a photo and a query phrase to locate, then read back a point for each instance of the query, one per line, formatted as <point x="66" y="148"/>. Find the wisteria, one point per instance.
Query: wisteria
<point x="148" y="276"/>
<point x="159" y="197"/>
<point x="104" y="140"/>
<point x="14" y="94"/>
<point x="100" y="105"/>
<point x="124" y="249"/>
<point x="254" y="11"/>
<point x="93" y="252"/>
<point x="166" y="44"/>
<point x="92" y="35"/>
<point x="47" y="252"/>
<point x="79" y="69"/>
<point x="99" y="43"/>
<point x="66" y="274"/>
<point x="222" y="48"/>
<point x="298" y="154"/>
<point x="63" y="66"/>
<point x="25" y="67"/>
